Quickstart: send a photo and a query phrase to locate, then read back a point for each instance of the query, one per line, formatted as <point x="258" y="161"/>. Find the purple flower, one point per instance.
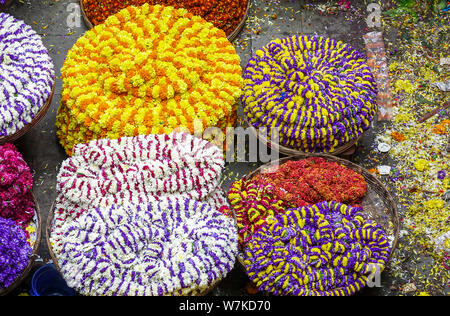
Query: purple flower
<point x="15" y="252"/>
<point x="441" y="174"/>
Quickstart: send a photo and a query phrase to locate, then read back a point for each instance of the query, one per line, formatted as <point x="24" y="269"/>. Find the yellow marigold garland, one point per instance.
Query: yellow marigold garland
<point x="148" y="70"/>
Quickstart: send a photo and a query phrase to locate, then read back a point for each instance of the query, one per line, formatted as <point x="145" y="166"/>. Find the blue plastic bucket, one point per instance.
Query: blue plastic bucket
<point x="47" y="281"/>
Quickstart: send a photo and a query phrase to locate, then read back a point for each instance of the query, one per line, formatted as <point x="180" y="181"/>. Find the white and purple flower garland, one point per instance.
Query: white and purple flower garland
<point x="15" y="252"/>
<point x="327" y="249"/>
<point x="168" y="247"/>
<point x="26" y="74"/>
<point x="136" y="170"/>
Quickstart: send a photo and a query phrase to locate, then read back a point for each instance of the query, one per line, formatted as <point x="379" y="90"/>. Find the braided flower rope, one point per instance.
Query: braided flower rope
<point x="295" y="183"/>
<point x="325" y="249"/>
<point x="148" y="70"/>
<point x="26" y="74"/>
<point x="224" y="14"/>
<point x="171" y="247"/>
<point x="137" y="170"/>
<point x="318" y="92"/>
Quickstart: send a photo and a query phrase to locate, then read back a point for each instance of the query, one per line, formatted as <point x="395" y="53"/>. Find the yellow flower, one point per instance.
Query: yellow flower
<point x="393" y="66"/>
<point x="421" y="164"/>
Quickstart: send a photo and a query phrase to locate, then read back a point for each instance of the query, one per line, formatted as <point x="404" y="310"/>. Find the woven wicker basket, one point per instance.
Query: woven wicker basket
<point x="292" y="152"/>
<point x="6" y="5"/>
<point x="48" y="231"/>
<point x="26" y="271"/>
<point x="230" y="37"/>
<point x="37" y="118"/>
<point x="378" y="204"/>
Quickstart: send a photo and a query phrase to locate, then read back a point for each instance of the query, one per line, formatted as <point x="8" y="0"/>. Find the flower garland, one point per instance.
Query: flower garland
<point x="26" y="74"/>
<point x="16" y="182"/>
<point x="325" y="249"/>
<point x="313" y="180"/>
<point x="318" y="92"/>
<point x="253" y="203"/>
<point x="294" y="184"/>
<point x="148" y="70"/>
<point x="15" y="252"/>
<point x="4" y="4"/>
<point x="224" y="14"/>
<point x="171" y="247"/>
<point x="136" y="170"/>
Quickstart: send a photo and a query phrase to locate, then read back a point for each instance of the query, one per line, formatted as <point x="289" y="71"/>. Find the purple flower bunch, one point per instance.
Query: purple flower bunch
<point x="15" y="252"/>
<point x="321" y="250"/>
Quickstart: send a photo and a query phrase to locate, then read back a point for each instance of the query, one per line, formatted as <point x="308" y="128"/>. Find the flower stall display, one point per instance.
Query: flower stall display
<point x="148" y="70"/>
<point x="327" y="249"/>
<point x="15" y="252"/>
<point x="136" y="170"/>
<point x="26" y="75"/>
<point x="223" y="14"/>
<point x="298" y="183"/>
<point x="318" y="93"/>
<point x="173" y="246"/>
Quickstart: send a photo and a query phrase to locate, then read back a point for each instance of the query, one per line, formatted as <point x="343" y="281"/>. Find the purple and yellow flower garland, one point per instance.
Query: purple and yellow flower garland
<point x="319" y="93"/>
<point x="325" y="249"/>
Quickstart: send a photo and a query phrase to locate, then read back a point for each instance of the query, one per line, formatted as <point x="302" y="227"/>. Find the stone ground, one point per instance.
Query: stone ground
<point x="267" y="20"/>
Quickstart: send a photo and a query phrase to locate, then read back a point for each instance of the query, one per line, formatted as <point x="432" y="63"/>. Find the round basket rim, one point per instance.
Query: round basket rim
<point x="292" y="152"/>
<point x="37" y="118"/>
<point x="370" y="179"/>
<point x="34" y="253"/>
<point x="48" y="229"/>
<point x="230" y="37"/>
